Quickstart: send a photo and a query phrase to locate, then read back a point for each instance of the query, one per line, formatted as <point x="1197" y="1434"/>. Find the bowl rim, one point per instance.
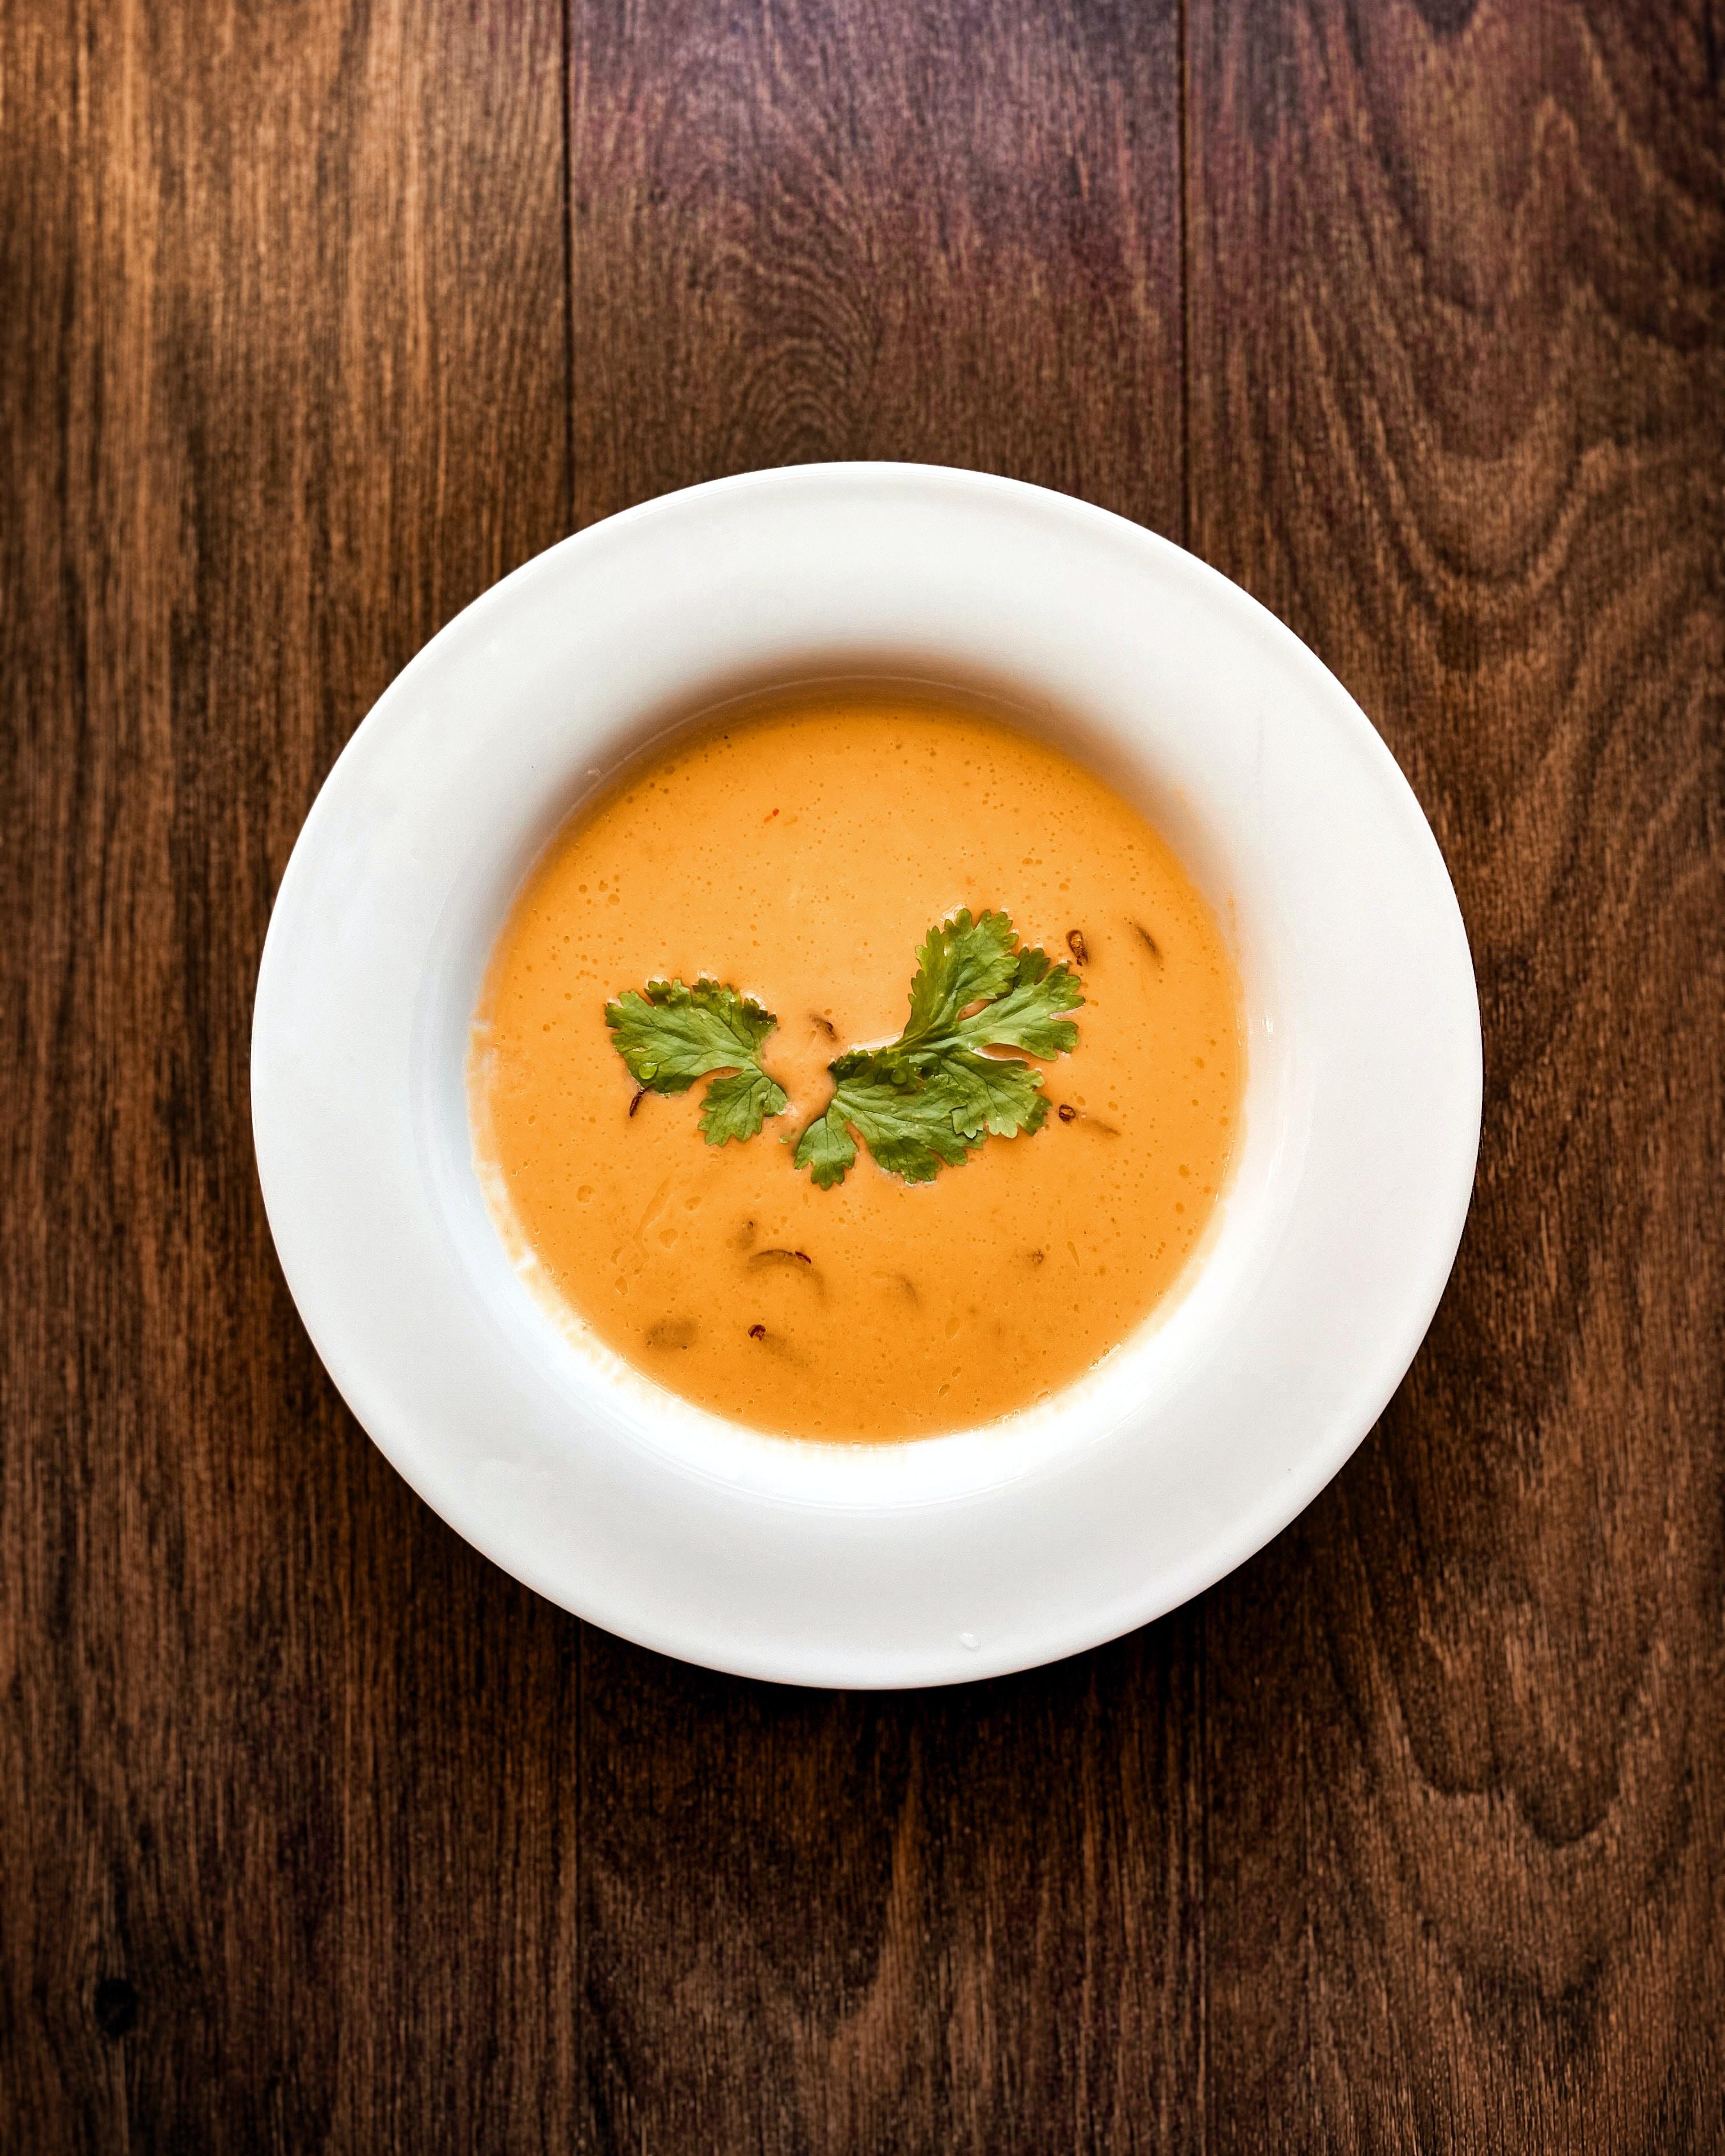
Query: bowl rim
<point x="305" y="1210"/>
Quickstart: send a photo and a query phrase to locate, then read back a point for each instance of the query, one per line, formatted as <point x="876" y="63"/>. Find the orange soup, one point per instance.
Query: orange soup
<point x="798" y="850"/>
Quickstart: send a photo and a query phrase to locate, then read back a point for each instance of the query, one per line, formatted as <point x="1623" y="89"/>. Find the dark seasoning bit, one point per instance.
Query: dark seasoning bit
<point x="1150" y="942"/>
<point x="638" y="1099"/>
<point x="784" y="1260"/>
<point x="1070" y="1114"/>
<point x="672" y="1333"/>
<point x="1075" y="944"/>
<point x="757" y="1332"/>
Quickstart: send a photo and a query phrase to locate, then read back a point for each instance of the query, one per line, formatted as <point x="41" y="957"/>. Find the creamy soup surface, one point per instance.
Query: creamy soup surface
<point x="800" y="849"/>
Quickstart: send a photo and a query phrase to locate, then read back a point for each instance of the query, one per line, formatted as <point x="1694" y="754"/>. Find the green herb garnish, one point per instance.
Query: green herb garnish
<point x="926" y="1102"/>
<point x="673" y="1035"/>
<point x="932" y="1097"/>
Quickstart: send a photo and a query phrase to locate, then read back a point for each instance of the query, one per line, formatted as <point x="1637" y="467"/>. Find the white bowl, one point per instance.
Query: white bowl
<point x="949" y="1557"/>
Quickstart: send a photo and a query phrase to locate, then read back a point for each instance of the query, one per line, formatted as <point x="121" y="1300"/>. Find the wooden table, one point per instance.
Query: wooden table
<point x="319" y="1833"/>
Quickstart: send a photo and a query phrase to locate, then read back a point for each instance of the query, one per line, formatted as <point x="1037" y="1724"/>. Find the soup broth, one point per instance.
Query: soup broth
<point x="800" y="847"/>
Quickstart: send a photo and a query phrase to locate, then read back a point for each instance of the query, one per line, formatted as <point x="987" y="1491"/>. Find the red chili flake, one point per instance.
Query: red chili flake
<point x="1067" y="1112"/>
<point x="769" y="816"/>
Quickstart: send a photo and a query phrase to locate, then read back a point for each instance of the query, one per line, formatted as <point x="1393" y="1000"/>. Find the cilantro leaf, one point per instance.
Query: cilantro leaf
<point x="961" y="962"/>
<point x="933" y="1096"/>
<point x="1027" y="1015"/>
<point x="673" y="1034"/>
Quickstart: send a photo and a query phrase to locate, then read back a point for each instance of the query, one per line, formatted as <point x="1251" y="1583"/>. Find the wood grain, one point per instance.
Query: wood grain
<point x="320" y="1833"/>
<point x="923" y="1923"/>
<point x="1466" y="1737"/>
<point x="960" y="1920"/>
<point x="283" y="386"/>
<point x="814" y="228"/>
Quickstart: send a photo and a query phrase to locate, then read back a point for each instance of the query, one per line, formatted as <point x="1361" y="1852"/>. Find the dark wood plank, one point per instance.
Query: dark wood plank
<point x="868" y="228"/>
<point x="1456" y="275"/>
<point x="282" y="372"/>
<point x="956" y="1920"/>
<point x="933" y="1923"/>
